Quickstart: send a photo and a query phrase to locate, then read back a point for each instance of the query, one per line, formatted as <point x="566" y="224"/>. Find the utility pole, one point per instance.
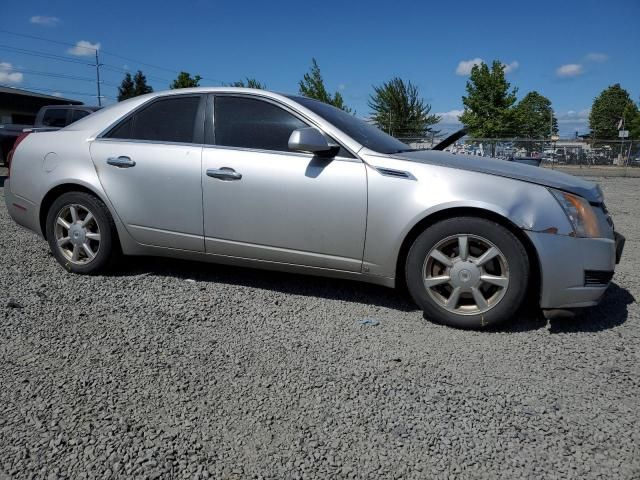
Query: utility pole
<point x="620" y="135"/>
<point x="98" y="79"/>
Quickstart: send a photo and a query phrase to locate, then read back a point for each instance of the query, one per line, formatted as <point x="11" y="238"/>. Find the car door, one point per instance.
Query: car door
<point x="150" y="164"/>
<point x="263" y="201"/>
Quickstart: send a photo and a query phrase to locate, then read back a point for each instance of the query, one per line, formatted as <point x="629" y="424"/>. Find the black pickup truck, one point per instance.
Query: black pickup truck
<point x="50" y="117"/>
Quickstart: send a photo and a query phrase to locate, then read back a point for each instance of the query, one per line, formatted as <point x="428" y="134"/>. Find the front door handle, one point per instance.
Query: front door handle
<point x="121" y="162"/>
<point x="224" y="173"/>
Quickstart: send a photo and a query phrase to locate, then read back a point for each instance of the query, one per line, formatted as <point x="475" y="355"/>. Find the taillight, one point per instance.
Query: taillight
<point x="20" y="138"/>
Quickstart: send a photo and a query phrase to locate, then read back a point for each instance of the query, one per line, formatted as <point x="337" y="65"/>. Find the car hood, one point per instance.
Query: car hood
<point x="502" y="168"/>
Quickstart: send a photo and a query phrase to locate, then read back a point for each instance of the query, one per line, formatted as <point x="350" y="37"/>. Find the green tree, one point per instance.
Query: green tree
<point x="534" y="117"/>
<point x="249" y="83"/>
<point x="126" y="88"/>
<point x="398" y="109"/>
<point x="185" y="80"/>
<point x="608" y="109"/>
<point x="140" y="84"/>
<point x="312" y="86"/>
<point x="632" y="116"/>
<point x="133" y="86"/>
<point x="488" y="111"/>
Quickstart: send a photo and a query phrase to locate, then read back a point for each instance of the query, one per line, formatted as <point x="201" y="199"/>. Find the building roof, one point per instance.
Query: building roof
<point x="27" y="93"/>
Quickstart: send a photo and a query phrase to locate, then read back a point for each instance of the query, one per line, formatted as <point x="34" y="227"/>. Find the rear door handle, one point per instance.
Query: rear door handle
<point x="121" y="162"/>
<point x="224" y="173"/>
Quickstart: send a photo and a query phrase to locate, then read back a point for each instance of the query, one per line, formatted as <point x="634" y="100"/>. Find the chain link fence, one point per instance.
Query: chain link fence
<point x="570" y="152"/>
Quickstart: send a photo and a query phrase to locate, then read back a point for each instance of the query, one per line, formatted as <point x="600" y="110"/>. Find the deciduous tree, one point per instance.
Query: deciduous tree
<point x="185" y="80"/>
<point x="488" y="104"/>
<point x="534" y="116"/>
<point x="608" y="109"/>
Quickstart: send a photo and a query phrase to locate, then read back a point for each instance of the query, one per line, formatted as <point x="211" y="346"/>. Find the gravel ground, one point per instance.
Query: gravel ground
<point x="180" y="370"/>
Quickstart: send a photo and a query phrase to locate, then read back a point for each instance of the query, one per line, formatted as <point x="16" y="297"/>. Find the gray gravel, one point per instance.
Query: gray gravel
<point x="248" y="374"/>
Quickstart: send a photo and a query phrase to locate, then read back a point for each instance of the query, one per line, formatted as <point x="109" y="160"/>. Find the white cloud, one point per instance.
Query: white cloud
<point x="511" y="67"/>
<point x="45" y="20"/>
<point x="574" y="116"/>
<point x="597" y="57"/>
<point x="8" y="75"/>
<point x="570" y="70"/>
<point x="452" y="116"/>
<point x="84" y="49"/>
<point x="465" y="66"/>
<point x="56" y="94"/>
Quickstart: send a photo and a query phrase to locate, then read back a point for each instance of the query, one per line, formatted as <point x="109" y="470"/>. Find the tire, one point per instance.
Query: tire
<point x="98" y="233"/>
<point x="476" y="294"/>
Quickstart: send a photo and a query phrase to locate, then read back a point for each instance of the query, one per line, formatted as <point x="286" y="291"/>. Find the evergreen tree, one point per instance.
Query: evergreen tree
<point x="312" y="86"/>
<point x="126" y="88"/>
<point x="250" y="83"/>
<point x="140" y="84"/>
<point x="399" y="110"/>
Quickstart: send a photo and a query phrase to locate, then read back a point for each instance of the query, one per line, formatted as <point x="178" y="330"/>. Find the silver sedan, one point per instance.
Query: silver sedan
<point x="254" y="178"/>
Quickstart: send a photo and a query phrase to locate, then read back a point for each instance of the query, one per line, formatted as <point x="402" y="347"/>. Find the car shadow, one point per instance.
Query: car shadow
<point x="610" y="313"/>
<point x="289" y="283"/>
<point x="2" y="179"/>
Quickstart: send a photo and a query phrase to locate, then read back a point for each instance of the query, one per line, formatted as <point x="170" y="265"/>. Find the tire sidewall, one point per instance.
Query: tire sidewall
<point x="511" y="247"/>
<point x="102" y="218"/>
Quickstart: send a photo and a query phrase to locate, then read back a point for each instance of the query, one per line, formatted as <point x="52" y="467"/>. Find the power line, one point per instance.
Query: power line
<point x="104" y="52"/>
<point x="66" y="92"/>
<point x="60" y="75"/>
<point x="46" y="39"/>
<point x="117" y="69"/>
<point x="51" y="56"/>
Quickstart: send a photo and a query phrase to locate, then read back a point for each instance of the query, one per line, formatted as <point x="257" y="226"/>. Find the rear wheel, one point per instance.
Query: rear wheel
<point x="81" y="233"/>
<point x="467" y="272"/>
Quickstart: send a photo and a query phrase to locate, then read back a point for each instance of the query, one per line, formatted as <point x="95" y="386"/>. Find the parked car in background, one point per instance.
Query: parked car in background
<point x="54" y="117"/>
<point x="50" y="117"/>
<point x="254" y="178"/>
<point x="8" y="134"/>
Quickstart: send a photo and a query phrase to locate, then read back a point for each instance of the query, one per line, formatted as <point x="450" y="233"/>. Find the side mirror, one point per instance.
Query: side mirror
<point x="310" y="139"/>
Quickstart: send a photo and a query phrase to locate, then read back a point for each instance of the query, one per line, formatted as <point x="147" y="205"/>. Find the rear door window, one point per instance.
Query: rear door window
<point x="170" y="119"/>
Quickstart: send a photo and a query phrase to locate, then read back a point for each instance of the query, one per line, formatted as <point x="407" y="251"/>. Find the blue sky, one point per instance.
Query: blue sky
<point x="566" y="50"/>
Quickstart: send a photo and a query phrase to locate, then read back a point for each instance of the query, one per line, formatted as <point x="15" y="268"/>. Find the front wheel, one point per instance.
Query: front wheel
<point x="81" y="233"/>
<point x="467" y="272"/>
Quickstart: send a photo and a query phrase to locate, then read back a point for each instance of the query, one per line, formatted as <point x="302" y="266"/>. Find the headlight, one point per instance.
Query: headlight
<point x="580" y="214"/>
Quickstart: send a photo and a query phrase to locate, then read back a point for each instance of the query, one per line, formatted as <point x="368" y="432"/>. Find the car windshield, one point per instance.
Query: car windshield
<point x="362" y="132"/>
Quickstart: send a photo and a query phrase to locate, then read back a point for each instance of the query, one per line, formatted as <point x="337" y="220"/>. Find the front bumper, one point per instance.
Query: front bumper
<point x="564" y="260"/>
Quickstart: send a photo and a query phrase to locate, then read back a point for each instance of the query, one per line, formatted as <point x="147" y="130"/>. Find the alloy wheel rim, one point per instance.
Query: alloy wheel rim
<point x="466" y="274"/>
<point x="77" y="234"/>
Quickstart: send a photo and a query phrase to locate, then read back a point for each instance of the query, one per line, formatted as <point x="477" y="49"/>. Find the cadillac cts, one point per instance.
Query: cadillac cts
<point x="255" y="178"/>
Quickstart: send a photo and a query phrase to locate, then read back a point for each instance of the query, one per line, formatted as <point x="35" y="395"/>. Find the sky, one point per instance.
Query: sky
<point x="568" y="50"/>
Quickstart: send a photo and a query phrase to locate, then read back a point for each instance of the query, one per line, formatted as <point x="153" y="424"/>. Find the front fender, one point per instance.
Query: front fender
<point x="398" y="205"/>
